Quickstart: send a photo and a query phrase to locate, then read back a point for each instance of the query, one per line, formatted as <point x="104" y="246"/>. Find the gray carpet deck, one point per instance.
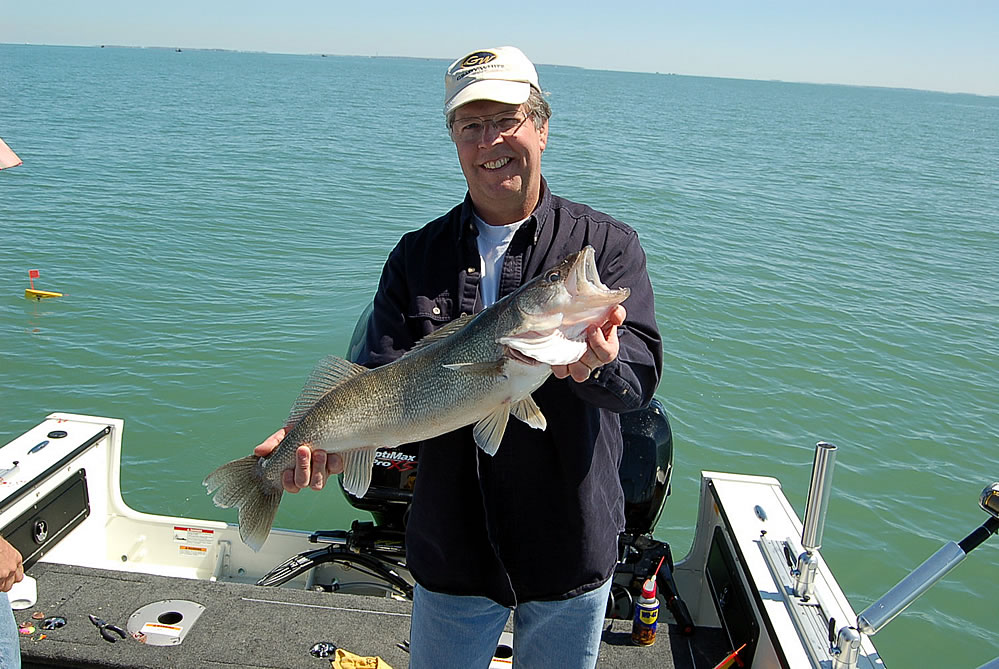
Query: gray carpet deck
<point x="250" y="626"/>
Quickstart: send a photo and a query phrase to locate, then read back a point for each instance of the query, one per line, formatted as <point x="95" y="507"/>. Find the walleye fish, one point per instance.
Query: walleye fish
<point x="475" y="370"/>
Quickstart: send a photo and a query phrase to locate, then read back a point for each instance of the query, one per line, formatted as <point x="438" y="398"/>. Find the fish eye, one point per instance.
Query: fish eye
<point x="554" y="276"/>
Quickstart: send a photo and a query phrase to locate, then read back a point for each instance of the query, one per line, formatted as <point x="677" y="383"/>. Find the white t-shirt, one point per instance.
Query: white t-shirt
<point x="493" y="242"/>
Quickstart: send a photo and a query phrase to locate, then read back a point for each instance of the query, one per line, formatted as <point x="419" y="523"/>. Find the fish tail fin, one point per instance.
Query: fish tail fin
<point x="241" y="483"/>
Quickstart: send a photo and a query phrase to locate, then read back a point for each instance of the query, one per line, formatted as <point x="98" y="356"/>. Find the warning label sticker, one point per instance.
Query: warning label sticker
<point x="193" y="541"/>
<point x="166" y="630"/>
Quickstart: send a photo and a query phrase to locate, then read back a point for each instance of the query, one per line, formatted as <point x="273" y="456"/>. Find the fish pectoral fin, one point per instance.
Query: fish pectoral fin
<point x="357" y="465"/>
<point x="488" y="432"/>
<point x="487" y="368"/>
<point x="442" y="333"/>
<point x="328" y="374"/>
<point x="551" y="349"/>
<point x="528" y="411"/>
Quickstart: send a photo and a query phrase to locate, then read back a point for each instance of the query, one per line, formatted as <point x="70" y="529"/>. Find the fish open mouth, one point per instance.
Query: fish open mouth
<point x="583" y="277"/>
<point x="589" y="295"/>
<point x="556" y="333"/>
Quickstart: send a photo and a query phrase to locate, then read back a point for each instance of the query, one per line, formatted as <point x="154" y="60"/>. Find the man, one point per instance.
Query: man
<point x="533" y="528"/>
<point x="11" y="572"/>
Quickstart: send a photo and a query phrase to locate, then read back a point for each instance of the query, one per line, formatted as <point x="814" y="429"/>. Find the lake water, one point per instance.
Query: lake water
<point x="825" y="259"/>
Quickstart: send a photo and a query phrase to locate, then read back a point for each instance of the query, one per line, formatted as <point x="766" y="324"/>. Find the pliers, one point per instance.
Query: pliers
<point x="106" y="629"/>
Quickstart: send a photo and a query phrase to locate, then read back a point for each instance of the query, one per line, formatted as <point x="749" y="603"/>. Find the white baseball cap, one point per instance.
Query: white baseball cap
<point x="501" y="74"/>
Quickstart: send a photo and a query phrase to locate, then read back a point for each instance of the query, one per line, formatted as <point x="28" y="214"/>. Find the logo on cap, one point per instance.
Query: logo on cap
<point x="478" y="58"/>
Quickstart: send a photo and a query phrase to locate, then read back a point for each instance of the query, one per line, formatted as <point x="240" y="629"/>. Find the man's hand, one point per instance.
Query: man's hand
<point x="11" y="569"/>
<point x="312" y="468"/>
<point x="602" y="348"/>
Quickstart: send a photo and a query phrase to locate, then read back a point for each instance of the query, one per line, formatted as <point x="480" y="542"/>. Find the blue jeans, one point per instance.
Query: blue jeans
<point x="10" y="646"/>
<point x="452" y="631"/>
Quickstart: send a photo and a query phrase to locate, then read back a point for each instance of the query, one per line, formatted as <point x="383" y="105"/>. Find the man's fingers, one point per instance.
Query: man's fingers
<point x="268" y="445"/>
<point x="312" y="468"/>
<point x="334" y="464"/>
<point x="288" y="481"/>
<point x="580" y="371"/>
<point x="602" y="348"/>
<point x="303" y="466"/>
<point x="598" y="349"/>
<point x="318" y="479"/>
<point x="603" y="345"/>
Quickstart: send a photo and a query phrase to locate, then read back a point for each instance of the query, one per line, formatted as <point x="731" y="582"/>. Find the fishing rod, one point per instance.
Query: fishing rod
<point x="846" y="643"/>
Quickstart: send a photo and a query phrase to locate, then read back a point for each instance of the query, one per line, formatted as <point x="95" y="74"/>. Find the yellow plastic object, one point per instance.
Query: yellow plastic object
<point x="347" y="660"/>
<point x="33" y="294"/>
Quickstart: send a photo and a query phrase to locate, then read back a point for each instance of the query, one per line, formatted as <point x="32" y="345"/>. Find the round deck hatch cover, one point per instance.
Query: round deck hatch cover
<point x="164" y="623"/>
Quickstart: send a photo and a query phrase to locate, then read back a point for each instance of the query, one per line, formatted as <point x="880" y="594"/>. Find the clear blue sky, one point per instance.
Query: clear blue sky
<point x="947" y="45"/>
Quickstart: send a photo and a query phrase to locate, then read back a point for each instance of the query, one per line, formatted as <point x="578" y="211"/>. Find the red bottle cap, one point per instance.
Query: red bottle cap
<point x="649" y="589"/>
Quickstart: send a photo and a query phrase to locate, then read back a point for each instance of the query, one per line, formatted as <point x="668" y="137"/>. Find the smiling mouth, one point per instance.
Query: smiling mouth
<point x="496" y="164"/>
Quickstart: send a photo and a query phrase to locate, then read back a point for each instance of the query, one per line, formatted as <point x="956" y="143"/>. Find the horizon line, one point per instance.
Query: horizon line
<point x="578" y="67"/>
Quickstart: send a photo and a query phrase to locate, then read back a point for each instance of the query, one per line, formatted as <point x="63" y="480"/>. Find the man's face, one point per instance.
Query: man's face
<point x="502" y="168"/>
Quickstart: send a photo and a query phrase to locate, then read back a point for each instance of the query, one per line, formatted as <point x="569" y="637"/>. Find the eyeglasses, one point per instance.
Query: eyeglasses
<point x="468" y="130"/>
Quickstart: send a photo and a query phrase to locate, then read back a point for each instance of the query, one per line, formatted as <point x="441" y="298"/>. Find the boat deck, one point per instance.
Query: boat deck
<point x="249" y="626"/>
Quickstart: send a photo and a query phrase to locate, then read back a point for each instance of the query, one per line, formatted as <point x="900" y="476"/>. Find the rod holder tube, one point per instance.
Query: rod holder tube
<point x="807" y="568"/>
<point x="847" y="649"/>
<point x="818" y="496"/>
<point x="881" y="612"/>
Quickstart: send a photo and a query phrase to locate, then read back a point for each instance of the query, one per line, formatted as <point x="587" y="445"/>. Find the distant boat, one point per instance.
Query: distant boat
<point x="7" y="156"/>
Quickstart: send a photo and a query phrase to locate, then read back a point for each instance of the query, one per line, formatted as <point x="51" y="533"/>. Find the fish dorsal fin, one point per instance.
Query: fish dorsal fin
<point x="552" y="349"/>
<point x="328" y="374"/>
<point x="442" y="332"/>
<point x="528" y="411"/>
<point x="357" y="465"/>
<point x="488" y="432"/>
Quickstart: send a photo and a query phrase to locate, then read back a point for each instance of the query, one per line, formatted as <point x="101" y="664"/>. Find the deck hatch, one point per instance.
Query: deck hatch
<point x="51" y="518"/>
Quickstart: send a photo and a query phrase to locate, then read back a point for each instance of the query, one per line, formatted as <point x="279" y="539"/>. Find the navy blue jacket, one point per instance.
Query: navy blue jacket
<point x="540" y="519"/>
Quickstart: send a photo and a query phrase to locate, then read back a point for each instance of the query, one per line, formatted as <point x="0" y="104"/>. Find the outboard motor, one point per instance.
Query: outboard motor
<point x="646" y="466"/>
<point x="645" y="470"/>
<point x="391" y="491"/>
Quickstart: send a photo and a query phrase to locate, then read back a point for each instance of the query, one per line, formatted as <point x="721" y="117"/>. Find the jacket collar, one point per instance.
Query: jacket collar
<point x="535" y="222"/>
